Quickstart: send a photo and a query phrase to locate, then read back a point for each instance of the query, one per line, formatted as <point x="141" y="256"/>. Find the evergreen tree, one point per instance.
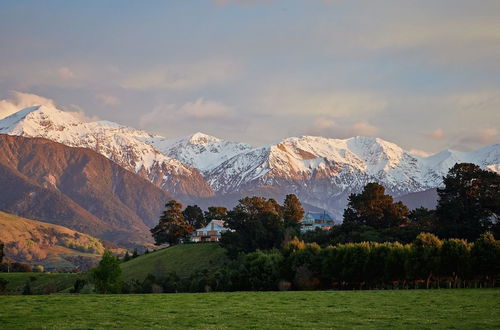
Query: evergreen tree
<point x="292" y="212"/>
<point x="469" y="203"/>
<point x="107" y="276"/>
<point x="135" y="254"/>
<point x="194" y="216"/>
<point x="126" y="257"/>
<point x="172" y="227"/>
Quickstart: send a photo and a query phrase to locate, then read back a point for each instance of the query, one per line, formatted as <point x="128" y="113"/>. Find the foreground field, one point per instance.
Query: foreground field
<point x="471" y="309"/>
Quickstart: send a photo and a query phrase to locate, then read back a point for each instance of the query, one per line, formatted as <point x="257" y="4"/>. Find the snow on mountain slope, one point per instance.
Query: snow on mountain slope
<point x="119" y="143"/>
<point x="201" y="151"/>
<point x="323" y="172"/>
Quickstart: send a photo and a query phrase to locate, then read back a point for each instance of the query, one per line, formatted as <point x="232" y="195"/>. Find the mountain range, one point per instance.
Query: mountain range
<point x="205" y="169"/>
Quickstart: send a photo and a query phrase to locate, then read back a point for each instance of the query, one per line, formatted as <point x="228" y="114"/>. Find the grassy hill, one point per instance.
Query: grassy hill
<point x="181" y="259"/>
<point x="52" y="246"/>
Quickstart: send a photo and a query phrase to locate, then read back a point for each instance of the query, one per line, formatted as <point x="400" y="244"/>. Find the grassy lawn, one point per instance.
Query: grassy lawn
<point x="426" y="309"/>
<point x="181" y="259"/>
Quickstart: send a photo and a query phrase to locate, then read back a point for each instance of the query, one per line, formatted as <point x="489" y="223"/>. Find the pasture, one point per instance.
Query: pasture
<point x="416" y="309"/>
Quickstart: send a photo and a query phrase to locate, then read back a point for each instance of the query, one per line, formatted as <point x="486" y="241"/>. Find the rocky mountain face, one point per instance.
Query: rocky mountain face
<point x="121" y="144"/>
<point x="321" y="171"/>
<point x="77" y="188"/>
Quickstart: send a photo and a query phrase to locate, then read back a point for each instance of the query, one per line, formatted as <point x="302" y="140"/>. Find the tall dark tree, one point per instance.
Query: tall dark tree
<point x="292" y="211"/>
<point x="215" y="213"/>
<point x="469" y="203"/>
<point x="372" y="207"/>
<point x="172" y="227"/>
<point x="194" y="216"/>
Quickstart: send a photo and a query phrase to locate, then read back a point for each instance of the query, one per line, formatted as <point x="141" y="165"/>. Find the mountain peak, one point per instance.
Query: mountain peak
<point x="201" y="138"/>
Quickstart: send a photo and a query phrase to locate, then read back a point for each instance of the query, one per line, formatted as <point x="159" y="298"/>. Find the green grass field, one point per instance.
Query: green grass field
<point x="181" y="259"/>
<point x="415" y="309"/>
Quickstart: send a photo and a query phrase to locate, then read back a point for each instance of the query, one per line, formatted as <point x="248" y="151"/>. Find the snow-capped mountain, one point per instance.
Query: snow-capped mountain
<point x="119" y="143"/>
<point x="201" y="151"/>
<point x="321" y="171"/>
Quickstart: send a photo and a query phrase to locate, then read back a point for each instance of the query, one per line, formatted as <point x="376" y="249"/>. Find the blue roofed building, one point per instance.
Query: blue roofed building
<point x="313" y="220"/>
<point x="211" y="233"/>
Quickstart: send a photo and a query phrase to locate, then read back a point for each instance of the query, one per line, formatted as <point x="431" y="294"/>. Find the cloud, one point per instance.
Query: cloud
<point x="108" y="99"/>
<point x="21" y="101"/>
<point x="183" y="76"/>
<point x="199" y="110"/>
<point x="351" y="104"/>
<point x="482" y="136"/>
<point x="324" y="126"/>
<point x="420" y="153"/>
<point x="437" y="134"/>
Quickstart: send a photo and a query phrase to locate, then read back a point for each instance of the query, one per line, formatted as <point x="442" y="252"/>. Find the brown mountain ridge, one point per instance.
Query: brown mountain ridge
<point x="77" y="188"/>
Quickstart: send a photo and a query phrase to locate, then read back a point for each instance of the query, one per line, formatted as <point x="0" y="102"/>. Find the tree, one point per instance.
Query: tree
<point x="424" y="259"/>
<point x="423" y="219"/>
<point x="172" y="227"/>
<point x="135" y="254"/>
<point x="107" y="276"/>
<point x="194" y="216"/>
<point x="469" y="203"/>
<point x="1" y="251"/>
<point x="485" y="255"/>
<point x="256" y="223"/>
<point x="372" y="207"/>
<point x="126" y="257"/>
<point x="215" y="213"/>
<point x="292" y="212"/>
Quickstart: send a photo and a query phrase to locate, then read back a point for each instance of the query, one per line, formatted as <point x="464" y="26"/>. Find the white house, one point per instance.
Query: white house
<point x="210" y="233"/>
<point x="313" y="220"/>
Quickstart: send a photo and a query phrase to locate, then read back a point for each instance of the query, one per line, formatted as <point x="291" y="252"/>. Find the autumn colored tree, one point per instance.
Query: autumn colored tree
<point x="172" y="227"/>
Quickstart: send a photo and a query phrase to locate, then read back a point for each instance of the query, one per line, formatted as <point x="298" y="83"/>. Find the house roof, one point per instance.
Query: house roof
<point x="319" y="216"/>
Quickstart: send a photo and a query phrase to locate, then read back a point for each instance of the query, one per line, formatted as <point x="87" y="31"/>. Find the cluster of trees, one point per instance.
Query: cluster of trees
<point x="427" y="262"/>
<point x="469" y="205"/>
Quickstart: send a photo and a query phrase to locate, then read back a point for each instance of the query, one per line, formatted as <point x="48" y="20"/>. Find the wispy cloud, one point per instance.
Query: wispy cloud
<point x="327" y="127"/>
<point x="183" y="76"/>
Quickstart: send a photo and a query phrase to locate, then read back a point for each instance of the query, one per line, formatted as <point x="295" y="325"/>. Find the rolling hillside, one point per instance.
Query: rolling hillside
<point x="52" y="246"/>
<point x="181" y="259"/>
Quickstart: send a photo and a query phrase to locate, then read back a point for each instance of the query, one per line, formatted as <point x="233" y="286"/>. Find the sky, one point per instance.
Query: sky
<point x="422" y="74"/>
